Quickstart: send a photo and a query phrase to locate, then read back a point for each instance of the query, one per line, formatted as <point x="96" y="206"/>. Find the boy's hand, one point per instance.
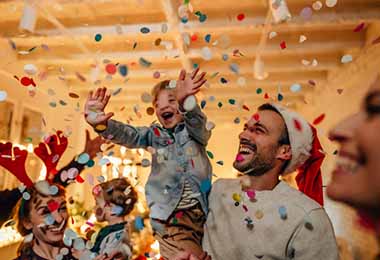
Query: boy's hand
<point x="94" y="107"/>
<point x="189" y="84"/>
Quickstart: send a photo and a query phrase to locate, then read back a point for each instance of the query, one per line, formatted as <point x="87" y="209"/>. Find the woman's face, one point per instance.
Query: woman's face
<point x="48" y="219"/>
<point x="356" y="178"/>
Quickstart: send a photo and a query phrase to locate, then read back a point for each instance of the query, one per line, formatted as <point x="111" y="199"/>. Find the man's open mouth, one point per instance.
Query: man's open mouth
<point x="167" y="115"/>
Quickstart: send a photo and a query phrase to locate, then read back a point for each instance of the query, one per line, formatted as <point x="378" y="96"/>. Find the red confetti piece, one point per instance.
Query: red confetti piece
<point x="79" y="179"/>
<point x="192" y="163"/>
<point x="72" y="220"/>
<point x="16" y="77"/>
<point x="266" y="96"/>
<point x="297" y="125"/>
<point x="245" y="107"/>
<point x="53" y="205"/>
<point x="111" y="68"/>
<point x="376" y="41"/>
<point x="80" y="77"/>
<point x="240" y="17"/>
<point x="283" y="45"/>
<point x="194" y="37"/>
<point x="179" y="214"/>
<point x="156" y="132"/>
<point x="256" y="117"/>
<point x="25" y="81"/>
<point x="359" y="27"/>
<point x="312" y="82"/>
<point x="122" y="109"/>
<point x="245" y="208"/>
<point x="319" y="119"/>
<point x="73" y="95"/>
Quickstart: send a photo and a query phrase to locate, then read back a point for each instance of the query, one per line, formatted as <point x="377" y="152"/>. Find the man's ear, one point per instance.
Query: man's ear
<point x="284" y="152"/>
<point x="27" y="224"/>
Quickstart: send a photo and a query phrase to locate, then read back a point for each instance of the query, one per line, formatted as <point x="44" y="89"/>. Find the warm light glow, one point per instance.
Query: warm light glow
<point x="155" y="246"/>
<point x="127" y="161"/>
<point x="123" y="150"/>
<point x="104" y="169"/>
<point x="127" y="171"/>
<point x="42" y="173"/>
<point x="30" y="148"/>
<point x="9" y="235"/>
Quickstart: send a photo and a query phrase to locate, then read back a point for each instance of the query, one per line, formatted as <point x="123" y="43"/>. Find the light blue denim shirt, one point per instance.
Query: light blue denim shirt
<point x="179" y="155"/>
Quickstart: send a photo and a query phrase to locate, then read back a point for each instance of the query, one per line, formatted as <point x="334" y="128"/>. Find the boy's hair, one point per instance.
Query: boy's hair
<point x="23" y="207"/>
<point x="157" y="89"/>
<point x="121" y="193"/>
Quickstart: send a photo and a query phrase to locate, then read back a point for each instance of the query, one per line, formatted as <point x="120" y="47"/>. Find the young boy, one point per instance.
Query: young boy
<point x="180" y="176"/>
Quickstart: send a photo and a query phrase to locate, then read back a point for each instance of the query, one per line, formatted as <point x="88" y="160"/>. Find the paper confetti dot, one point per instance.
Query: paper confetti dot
<point x="306" y="13"/>
<point x="302" y="38"/>
<point x="98" y="37"/>
<point x="156" y="75"/>
<point x="100" y="127"/>
<point x="111" y="68"/>
<point x="331" y="3"/>
<point x="190" y="103"/>
<point x="223" y="80"/>
<point x="240" y="17"/>
<point x="145" y="63"/>
<point x="234" y="68"/>
<point x="236" y="197"/>
<point x="146" y="97"/>
<point x="150" y="111"/>
<point x="272" y="35"/>
<point x="232" y="101"/>
<point x="295" y="88"/>
<point x="317" y="5"/>
<point x="83" y="158"/>
<point x="73" y="95"/>
<point x="53" y="104"/>
<point x="359" y="27"/>
<point x="319" y="119"/>
<point x="241" y="81"/>
<point x="53" y="190"/>
<point x="26" y="196"/>
<point x="206" y="53"/>
<point x="139" y="223"/>
<point x="3" y="95"/>
<point x="259" y="91"/>
<point x="283" y="45"/>
<point x="210" y="154"/>
<point x="194" y="37"/>
<point x="145" y="30"/>
<point x="203" y="104"/>
<point x="220" y="163"/>
<point x="220" y="104"/>
<point x="280" y="97"/>
<point x="123" y="70"/>
<point x="49" y="219"/>
<point x="30" y="69"/>
<point x="164" y="28"/>
<point x="346" y="59"/>
<point x="208" y="38"/>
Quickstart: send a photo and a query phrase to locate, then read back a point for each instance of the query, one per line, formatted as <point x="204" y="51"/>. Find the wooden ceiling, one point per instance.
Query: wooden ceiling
<point x="67" y="49"/>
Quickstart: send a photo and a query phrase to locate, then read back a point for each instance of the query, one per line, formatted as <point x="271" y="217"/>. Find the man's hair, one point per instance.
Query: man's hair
<point x="158" y="88"/>
<point x="284" y="137"/>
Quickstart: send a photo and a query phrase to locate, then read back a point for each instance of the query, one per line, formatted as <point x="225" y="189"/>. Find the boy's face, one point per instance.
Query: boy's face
<point x="166" y="107"/>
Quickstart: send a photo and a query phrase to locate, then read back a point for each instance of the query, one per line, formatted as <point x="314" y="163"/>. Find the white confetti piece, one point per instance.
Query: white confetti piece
<point x="346" y="59"/>
<point x="331" y="3"/>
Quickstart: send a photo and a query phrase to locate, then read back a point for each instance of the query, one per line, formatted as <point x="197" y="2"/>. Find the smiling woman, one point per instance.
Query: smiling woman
<point x="42" y="219"/>
<point x="356" y="178"/>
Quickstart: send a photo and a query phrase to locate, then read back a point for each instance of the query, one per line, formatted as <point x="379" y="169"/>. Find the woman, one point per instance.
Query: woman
<point x="356" y="179"/>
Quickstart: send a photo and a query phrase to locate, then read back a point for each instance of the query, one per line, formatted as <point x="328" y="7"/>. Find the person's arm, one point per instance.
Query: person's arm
<point x="314" y="240"/>
<point x="195" y="120"/>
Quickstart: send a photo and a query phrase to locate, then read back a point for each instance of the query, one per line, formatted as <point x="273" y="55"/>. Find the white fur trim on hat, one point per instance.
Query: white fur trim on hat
<point x="301" y="140"/>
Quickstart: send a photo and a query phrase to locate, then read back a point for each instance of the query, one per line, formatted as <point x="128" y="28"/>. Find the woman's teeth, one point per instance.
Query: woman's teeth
<point x="347" y="164"/>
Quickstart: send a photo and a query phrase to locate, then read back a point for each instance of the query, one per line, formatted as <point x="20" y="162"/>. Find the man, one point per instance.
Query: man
<point x="261" y="217"/>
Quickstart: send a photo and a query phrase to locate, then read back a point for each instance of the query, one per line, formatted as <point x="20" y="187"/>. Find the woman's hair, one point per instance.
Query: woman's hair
<point x="121" y="193"/>
<point x="158" y="87"/>
<point x="24" y="207"/>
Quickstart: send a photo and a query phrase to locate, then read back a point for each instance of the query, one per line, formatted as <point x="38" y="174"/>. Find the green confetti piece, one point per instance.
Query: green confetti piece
<point x="210" y="155"/>
<point x="259" y="91"/>
<point x="28" y="139"/>
<point x="220" y="104"/>
<point x="232" y="101"/>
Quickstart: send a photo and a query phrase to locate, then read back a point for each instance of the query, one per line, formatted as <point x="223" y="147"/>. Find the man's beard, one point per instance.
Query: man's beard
<point x="259" y="164"/>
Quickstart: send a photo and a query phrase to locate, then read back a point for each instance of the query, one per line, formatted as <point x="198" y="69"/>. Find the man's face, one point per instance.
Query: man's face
<point x="167" y="109"/>
<point x="48" y="219"/>
<point x="259" y="147"/>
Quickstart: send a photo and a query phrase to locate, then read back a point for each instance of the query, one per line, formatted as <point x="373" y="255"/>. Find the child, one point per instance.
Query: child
<point x="180" y="177"/>
<point x="114" y="200"/>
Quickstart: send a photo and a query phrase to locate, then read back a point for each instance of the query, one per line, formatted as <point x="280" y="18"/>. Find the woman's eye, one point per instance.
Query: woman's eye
<point x="373" y="109"/>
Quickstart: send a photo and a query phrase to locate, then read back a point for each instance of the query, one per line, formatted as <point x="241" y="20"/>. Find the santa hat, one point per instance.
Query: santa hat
<point x="307" y="154"/>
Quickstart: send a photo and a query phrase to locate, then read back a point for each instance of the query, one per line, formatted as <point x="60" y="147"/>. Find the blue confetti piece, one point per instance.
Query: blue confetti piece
<point x="208" y="38"/>
<point x="202" y="18"/>
<point x="280" y="97"/>
<point x="234" y="68"/>
<point x="90" y="163"/>
<point x="139" y="223"/>
<point x="83" y="158"/>
<point x="49" y="220"/>
<point x="295" y="87"/>
<point x="225" y="57"/>
<point x="205" y="186"/>
<point x="123" y="70"/>
<point x="282" y="212"/>
<point x="145" y="63"/>
<point x="145" y="30"/>
<point x="232" y="101"/>
<point x="203" y="104"/>
<point x="195" y="65"/>
<point x="184" y="20"/>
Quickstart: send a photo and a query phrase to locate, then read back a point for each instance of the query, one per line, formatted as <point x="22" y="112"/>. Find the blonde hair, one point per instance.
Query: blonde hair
<point x="121" y="193"/>
<point x="158" y="88"/>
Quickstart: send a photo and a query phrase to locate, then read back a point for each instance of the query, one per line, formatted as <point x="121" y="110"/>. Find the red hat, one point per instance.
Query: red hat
<point x="307" y="154"/>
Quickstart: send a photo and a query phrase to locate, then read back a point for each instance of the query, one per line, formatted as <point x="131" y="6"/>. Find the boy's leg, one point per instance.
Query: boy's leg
<point x="184" y="232"/>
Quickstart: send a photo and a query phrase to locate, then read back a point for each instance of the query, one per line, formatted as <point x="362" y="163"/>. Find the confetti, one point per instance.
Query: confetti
<point x="146" y="97"/>
<point x="234" y="68"/>
<point x="206" y="53"/>
<point x="53" y="104"/>
<point x="25" y="81"/>
<point x="272" y="35"/>
<point x="283" y="45"/>
<point x="297" y="125"/>
<point x="236" y="197"/>
<point x="98" y="37"/>
<point x="282" y="212"/>
<point x="317" y="5"/>
<point x="194" y="37"/>
<point x="225" y="57"/>
<point x="240" y="17"/>
<point x="319" y="119"/>
<point x="145" y="30"/>
<point x="123" y="70"/>
<point x="339" y="90"/>
<point x="295" y="87"/>
<point x="83" y="158"/>
<point x="208" y="38"/>
<point x="150" y="111"/>
<point x="190" y="103"/>
<point x="223" y="80"/>
<point x="73" y="95"/>
<point x="26" y="196"/>
<point x="237" y="120"/>
<point x="111" y="69"/>
<point x="232" y="101"/>
<point x="49" y="220"/>
<point x="280" y="97"/>
<point x="164" y="28"/>
<point x="302" y="38"/>
<point x="220" y="104"/>
<point x="203" y="104"/>
<point x="210" y="154"/>
<point x="306" y="13"/>
<point x="156" y="75"/>
<point x="139" y="223"/>
<point x="145" y="63"/>
<point x="346" y="59"/>
<point x="205" y="186"/>
<point x="145" y="163"/>
<point x="245" y="107"/>
<point x="30" y="69"/>
<point x="3" y="95"/>
<point x="259" y="91"/>
<point x="53" y="205"/>
<point x="117" y="91"/>
<point x="220" y="163"/>
<point x="251" y="194"/>
<point x="331" y="3"/>
<point x="359" y="27"/>
<point x="266" y="96"/>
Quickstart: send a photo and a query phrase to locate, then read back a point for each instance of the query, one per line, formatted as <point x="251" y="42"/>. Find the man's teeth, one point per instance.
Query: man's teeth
<point x="245" y="150"/>
<point x="347" y="164"/>
<point x="58" y="228"/>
